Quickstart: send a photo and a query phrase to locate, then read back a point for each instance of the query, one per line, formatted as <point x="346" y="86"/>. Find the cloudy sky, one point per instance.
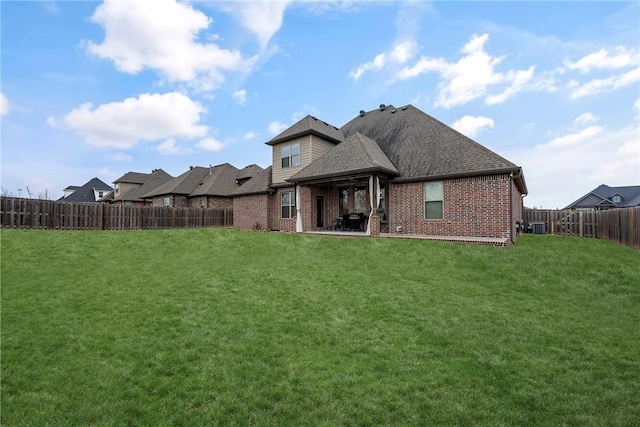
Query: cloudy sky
<point x="93" y="89"/>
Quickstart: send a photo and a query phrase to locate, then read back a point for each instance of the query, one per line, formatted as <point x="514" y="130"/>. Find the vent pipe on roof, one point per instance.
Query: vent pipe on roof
<point x="382" y="107"/>
<point x="210" y="169"/>
<point x="361" y="113"/>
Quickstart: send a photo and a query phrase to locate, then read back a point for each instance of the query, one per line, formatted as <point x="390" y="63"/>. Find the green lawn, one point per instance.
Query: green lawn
<point x="226" y="327"/>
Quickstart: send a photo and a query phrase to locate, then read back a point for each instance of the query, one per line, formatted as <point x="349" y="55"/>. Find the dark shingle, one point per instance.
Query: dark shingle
<point x="356" y="154"/>
<point x="152" y="181"/>
<point x="248" y="172"/>
<point x="422" y="147"/>
<point x="309" y="125"/>
<point x="221" y="181"/>
<point x="85" y="193"/>
<point x="182" y="184"/>
<point x="133" y="178"/>
<point x="259" y="184"/>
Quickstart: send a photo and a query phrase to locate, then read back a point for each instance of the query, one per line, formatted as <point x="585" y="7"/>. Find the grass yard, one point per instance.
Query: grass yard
<point x="232" y="328"/>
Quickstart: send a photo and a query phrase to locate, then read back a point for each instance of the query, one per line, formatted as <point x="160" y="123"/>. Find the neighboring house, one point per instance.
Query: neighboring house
<point x="201" y="187"/>
<point x="129" y="188"/>
<point x="419" y="175"/>
<point x="605" y="197"/>
<point x="90" y="192"/>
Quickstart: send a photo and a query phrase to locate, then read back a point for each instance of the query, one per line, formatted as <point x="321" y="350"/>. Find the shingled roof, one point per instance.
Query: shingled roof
<point x="309" y="125"/>
<point x="85" y="193"/>
<point x="259" y="184"/>
<point x="248" y="172"/>
<point x="182" y="184"/>
<point x="422" y="147"/>
<point x="221" y="181"/>
<point x="150" y="181"/>
<point x="357" y="154"/>
<point x="603" y="197"/>
<point x="133" y="178"/>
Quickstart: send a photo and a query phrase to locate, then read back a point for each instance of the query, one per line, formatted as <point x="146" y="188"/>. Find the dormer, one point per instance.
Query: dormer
<point x="299" y="145"/>
<point x="616" y="199"/>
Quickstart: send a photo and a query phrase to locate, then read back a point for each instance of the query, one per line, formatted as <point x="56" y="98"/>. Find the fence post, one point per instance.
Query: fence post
<point x="100" y="216"/>
<point x="581" y="223"/>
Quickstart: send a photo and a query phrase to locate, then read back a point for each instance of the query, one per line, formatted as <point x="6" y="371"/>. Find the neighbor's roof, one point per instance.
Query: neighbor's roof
<point x="602" y="196"/>
<point x="152" y="181"/>
<point x="182" y="184"/>
<point x="249" y="172"/>
<point x="309" y="125"/>
<point x="259" y="184"/>
<point x="133" y="178"/>
<point x="357" y="154"/>
<point x="221" y="181"/>
<point x="422" y="147"/>
<point x="85" y="193"/>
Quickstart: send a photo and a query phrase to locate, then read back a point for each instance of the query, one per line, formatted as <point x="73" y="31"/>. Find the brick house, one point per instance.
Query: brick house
<point x="130" y="187"/>
<point x="389" y="170"/>
<point x="202" y="187"/>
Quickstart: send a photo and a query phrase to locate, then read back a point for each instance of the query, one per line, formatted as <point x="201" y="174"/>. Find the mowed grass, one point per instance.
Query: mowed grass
<point x="227" y="327"/>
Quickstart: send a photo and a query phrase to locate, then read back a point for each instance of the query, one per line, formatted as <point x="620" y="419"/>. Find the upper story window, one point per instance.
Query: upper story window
<point x="117" y="188"/>
<point x="291" y="156"/>
<point x="617" y="199"/>
<point x="166" y="201"/>
<point x="433" y="200"/>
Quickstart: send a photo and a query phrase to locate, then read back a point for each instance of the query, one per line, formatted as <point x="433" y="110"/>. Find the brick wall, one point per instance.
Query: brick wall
<point x="211" y="202"/>
<point x="175" y="200"/>
<point x="251" y="211"/>
<point x="475" y="206"/>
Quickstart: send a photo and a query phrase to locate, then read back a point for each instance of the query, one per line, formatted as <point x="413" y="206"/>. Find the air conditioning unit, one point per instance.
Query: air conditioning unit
<point x="537" y="228"/>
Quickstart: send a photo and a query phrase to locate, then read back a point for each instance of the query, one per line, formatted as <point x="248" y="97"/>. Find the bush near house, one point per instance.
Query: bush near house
<point x="230" y="327"/>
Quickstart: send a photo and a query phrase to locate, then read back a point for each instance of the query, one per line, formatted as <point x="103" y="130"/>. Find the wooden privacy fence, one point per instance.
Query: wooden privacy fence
<point x="618" y="225"/>
<point x="47" y="214"/>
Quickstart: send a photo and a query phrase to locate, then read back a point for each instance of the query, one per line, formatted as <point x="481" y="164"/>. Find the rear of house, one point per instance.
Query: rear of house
<point x="389" y="170"/>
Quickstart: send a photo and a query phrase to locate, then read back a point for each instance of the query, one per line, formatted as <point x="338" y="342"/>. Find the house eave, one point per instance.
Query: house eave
<point x="516" y="171"/>
<point x="342" y="176"/>
<point x="303" y="133"/>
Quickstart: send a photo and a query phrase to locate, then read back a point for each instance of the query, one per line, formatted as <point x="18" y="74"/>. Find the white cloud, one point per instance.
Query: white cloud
<point x="276" y="127"/>
<point x="619" y="58"/>
<point x="399" y="54"/>
<point x="579" y="138"/>
<point x="162" y="35"/>
<point x="240" y="96"/>
<point x="472" y="76"/>
<point x="472" y="125"/>
<point x="637" y="105"/>
<point x="171" y="147"/>
<point x="150" y="117"/>
<point x="4" y="104"/>
<point x="564" y="168"/>
<point x="262" y="18"/>
<point x="585" y="118"/>
<point x="250" y="135"/>
<point x="210" y="144"/>
<point x="120" y="157"/>
<point x="597" y="86"/>
<point x="519" y="81"/>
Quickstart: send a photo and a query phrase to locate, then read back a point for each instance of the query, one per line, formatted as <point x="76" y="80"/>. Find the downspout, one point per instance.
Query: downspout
<point x="511" y="231"/>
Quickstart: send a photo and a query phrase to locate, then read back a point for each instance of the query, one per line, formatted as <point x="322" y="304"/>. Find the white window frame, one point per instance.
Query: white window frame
<point x="290" y="205"/>
<point x="433" y="193"/>
<point x="290" y="156"/>
<point x="166" y="201"/>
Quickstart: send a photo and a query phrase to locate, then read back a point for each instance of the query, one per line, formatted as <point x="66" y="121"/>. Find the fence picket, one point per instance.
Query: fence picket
<point x="48" y="214"/>
<point x="619" y="225"/>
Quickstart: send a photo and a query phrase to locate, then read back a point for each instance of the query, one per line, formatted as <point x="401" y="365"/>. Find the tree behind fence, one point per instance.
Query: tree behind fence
<point x="47" y="214"/>
<point x="618" y="225"/>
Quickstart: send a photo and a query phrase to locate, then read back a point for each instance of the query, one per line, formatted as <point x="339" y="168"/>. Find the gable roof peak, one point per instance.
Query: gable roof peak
<point x="306" y="126"/>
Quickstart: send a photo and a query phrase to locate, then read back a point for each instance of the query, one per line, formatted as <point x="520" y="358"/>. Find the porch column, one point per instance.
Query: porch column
<point x="298" y="214"/>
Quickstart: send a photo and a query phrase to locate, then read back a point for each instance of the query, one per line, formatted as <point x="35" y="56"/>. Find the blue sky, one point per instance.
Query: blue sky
<point x="102" y="88"/>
